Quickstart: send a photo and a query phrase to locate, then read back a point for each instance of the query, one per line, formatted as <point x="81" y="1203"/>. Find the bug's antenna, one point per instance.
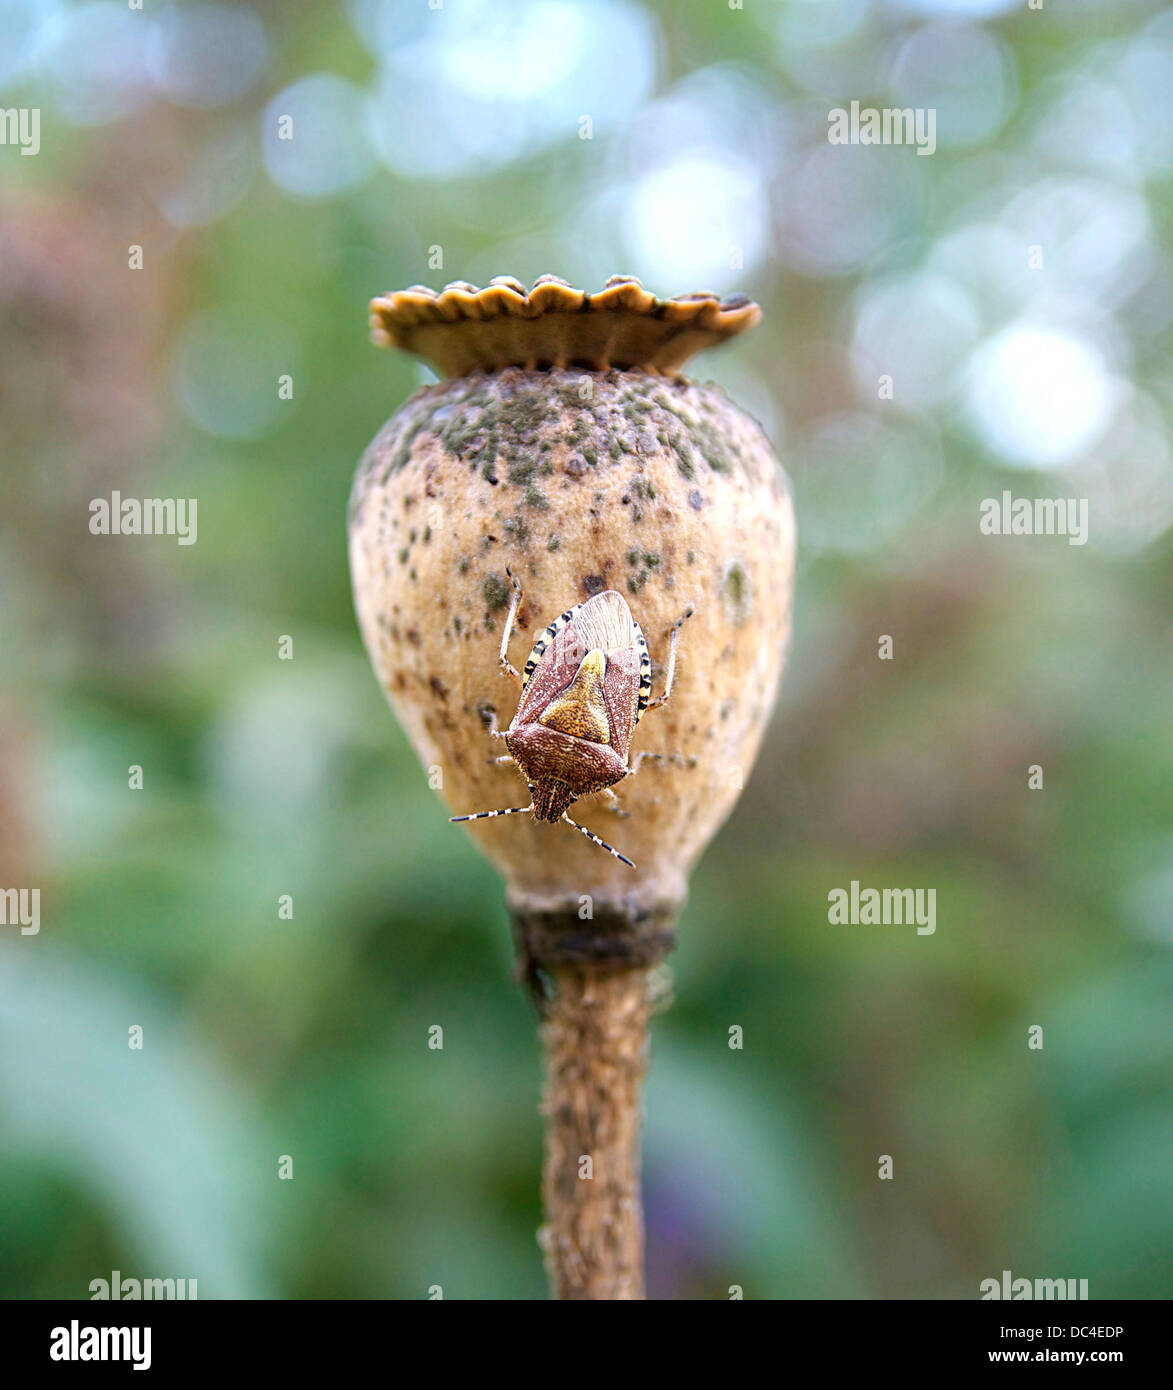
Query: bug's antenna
<point x="602" y="844"/>
<point x="484" y="815"/>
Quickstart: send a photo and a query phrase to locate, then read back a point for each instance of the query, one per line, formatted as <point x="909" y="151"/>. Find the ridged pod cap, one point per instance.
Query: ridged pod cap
<point x="463" y="329"/>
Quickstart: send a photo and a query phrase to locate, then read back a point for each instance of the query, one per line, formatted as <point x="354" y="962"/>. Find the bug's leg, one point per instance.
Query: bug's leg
<point x="487" y="815"/>
<point x="602" y="844"/>
<point x="507" y="667"/>
<point x="676" y="626"/>
<point x="612" y="802"/>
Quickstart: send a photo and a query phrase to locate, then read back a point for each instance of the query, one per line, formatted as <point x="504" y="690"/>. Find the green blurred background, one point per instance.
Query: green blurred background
<point x="1017" y="288"/>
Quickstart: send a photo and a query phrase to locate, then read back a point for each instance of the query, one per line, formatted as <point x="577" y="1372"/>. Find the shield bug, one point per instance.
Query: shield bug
<point x="586" y="685"/>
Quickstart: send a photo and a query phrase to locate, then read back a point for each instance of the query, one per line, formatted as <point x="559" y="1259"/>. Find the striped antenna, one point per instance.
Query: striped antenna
<point x="485" y="815"/>
<point x="602" y="844"/>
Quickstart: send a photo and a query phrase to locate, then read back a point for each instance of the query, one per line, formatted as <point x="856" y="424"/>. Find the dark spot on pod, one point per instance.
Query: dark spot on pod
<point x="737" y="592"/>
<point x="695" y="500"/>
<point x="496" y="592"/>
<point x="593" y="584"/>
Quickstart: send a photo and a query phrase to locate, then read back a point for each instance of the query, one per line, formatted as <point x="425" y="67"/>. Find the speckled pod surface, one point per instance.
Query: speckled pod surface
<point x="579" y="479"/>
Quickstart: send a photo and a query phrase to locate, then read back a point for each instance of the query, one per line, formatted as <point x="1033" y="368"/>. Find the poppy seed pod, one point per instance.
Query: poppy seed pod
<point x="572" y="571"/>
<point x="562" y="448"/>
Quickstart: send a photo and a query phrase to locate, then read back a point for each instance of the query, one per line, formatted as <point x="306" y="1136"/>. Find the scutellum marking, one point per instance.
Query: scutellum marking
<point x="587" y="684"/>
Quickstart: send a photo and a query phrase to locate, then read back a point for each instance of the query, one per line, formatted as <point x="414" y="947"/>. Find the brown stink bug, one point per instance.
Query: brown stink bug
<point x="587" y="682"/>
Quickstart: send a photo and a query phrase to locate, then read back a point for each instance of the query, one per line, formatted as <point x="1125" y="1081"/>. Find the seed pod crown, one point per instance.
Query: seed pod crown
<point x="462" y="329"/>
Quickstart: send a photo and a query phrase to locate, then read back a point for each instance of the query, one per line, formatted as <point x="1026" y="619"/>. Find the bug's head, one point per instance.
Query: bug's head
<point x="551" y="799"/>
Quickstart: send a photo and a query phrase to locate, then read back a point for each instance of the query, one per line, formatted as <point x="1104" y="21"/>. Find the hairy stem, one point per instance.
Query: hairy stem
<point x="595" y="1036"/>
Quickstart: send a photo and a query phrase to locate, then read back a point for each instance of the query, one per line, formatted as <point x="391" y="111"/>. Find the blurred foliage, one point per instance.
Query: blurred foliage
<point x="263" y="777"/>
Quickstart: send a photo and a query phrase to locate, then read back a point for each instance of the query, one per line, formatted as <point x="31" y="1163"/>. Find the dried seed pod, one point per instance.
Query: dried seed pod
<point x="564" y="449"/>
<point x="564" y="446"/>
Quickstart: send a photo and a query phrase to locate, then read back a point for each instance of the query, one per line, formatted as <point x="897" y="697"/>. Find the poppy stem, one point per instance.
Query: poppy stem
<point x="595" y="1033"/>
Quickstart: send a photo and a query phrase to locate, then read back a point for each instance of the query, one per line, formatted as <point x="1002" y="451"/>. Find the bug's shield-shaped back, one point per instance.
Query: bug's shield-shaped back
<point x="603" y="623"/>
